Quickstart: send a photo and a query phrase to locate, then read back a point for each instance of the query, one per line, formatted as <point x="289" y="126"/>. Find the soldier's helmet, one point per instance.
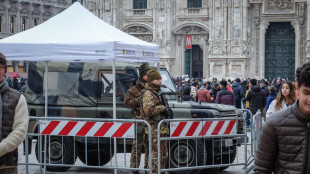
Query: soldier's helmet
<point x="143" y="69"/>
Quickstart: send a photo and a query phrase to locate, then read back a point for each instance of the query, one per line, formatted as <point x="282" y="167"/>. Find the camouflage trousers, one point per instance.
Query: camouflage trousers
<point x="137" y="146"/>
<point x="163" y="153"/>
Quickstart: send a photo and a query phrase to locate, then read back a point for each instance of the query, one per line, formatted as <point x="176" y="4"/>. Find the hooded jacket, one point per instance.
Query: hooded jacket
<point x="238" y="90"/>
<point x="283" y="145"/>
<point x="224" y="96"/>
<point x="257" y="98"/>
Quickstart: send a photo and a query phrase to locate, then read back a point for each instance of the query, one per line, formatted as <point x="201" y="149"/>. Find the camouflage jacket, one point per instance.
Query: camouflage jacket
<point x="152" y="107"/>
<point x="133" y="96"/>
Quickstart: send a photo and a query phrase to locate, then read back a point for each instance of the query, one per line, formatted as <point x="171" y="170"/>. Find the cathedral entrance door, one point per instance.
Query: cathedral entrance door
<point x="280" y="51"/>
<point x="197" y="62"/>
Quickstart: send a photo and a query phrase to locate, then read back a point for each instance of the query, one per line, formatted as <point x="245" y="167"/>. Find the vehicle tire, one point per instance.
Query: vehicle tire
<point x="97" y="158"/>
<point x="185" y="153"/>
<point x="228" y="158"/>
<point x="62" y="152"/>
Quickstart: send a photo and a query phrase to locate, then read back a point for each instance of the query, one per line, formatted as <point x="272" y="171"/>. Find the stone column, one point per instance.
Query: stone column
<point x="296" y="26"/>
<point x="263" y="27"/>
<point x="254" y="65"/>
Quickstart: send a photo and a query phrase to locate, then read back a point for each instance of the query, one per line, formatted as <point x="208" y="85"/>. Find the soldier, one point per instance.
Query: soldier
<point x="153" y="111"/>
<point x="132" y="100"/>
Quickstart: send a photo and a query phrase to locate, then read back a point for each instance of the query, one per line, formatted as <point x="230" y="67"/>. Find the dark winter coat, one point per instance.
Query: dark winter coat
<point x="226" y="97"/>
<point x="283" y="145"/>
<point x="270" y="98"/>
<point x="266" y="90"/>
<point x="186" y="93"/>
<point x="257" y="98"/>
<point x="238" y="90"/>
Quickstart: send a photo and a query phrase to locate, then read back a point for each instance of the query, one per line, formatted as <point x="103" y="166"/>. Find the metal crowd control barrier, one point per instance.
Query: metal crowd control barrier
<point x="66" y="139"/>
<point x="256" y="128"/>
<point x="203" y="144"/>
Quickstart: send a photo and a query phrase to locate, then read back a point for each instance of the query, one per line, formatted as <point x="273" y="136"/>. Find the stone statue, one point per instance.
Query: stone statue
<point x="308" y="48"/>
<point x="236" y="32"/>
<point x="245" y="48"/>
<point x="218" y="32"/>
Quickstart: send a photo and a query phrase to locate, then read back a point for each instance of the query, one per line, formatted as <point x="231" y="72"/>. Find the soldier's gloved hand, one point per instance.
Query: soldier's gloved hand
<point x="168" y="113"/>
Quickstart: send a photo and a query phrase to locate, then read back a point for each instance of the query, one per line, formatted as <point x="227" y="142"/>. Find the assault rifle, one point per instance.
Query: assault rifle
<point x="168" y="114"/>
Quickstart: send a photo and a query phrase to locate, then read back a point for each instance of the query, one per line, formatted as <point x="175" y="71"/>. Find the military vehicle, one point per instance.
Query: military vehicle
<point x="84" y="90"/>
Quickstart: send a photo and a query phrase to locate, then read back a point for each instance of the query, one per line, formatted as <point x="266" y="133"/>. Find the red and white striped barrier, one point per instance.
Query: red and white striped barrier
<point x="88" y="129"/>
<point x="203" y="128"/>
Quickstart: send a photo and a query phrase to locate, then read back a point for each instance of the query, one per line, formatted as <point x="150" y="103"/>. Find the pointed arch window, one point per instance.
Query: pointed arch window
<point x="194" y="4"/>
<point x="139" y="4"/>
<point x="12" y="24"/>
<point x="23" y="24"/>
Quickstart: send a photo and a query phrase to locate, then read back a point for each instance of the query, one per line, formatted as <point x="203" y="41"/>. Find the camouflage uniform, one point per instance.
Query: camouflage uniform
<point x="132" y="100"/>
<point x="152" y="107"/>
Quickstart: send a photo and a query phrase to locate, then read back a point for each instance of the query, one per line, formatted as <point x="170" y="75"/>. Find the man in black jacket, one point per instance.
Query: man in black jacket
<point x="256" y="97"/>
<point x="238" y="92"/>
<point x="283" y="145"/>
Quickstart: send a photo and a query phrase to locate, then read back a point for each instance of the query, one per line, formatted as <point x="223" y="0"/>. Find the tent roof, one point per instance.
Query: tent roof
<point x="77" y="35"/>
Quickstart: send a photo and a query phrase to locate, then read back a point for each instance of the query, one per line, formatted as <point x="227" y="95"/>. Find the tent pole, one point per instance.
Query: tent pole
<point x="114" y="110"/>
<point x="46" y="111"/>
<point x="46" y="86"/>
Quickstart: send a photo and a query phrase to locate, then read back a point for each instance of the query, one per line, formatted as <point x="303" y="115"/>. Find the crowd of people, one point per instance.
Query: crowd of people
<point x="267" y="96"/>
<point x="17" y="84"/>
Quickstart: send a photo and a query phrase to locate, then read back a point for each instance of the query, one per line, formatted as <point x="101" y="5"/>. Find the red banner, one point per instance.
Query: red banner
<point x="188" y="41"/>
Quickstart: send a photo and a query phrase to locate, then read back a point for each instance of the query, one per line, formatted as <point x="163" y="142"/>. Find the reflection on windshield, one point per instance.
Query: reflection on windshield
<point x="166" y="80"/>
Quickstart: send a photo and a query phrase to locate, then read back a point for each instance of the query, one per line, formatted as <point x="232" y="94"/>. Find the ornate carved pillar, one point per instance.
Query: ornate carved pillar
<point x="255" y="54"/>
<point x="263" y="27"/>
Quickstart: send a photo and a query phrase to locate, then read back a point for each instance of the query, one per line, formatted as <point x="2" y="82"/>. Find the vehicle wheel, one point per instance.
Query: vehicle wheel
<point x="95" y="158"/>
<point x="61" y="152"/>
<point x="185" y="153"/>
<point x="228" y="158"/>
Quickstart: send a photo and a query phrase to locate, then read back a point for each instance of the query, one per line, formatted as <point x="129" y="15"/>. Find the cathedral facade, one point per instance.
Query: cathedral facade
<point x="230" y="38"/>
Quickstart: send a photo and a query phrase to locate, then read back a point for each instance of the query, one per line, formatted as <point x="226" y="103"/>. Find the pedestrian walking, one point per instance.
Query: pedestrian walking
<point x="264" y="87"/>
<point x="283" y="145"/>
<point x="153" y="111"/>
<point x="256" y="96"/>
<point x="238" y="92"/>
<point x="203" y="93"/>
<point x="286" y="97"/>
<point x="132" y="100"/>
<point x="194" y="89"/>
<point x="216" y="88"/>
<point x="13" y="122"/>
<point x="224" y="96"/>
<point x="272" y="96"/>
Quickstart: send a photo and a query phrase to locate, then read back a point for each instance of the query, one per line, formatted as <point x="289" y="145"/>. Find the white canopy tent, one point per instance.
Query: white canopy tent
<point x="77" y="35"/>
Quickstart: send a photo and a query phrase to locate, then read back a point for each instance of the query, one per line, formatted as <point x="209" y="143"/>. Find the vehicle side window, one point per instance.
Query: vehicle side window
<point x="107" y="87"/>
<point x="63" y="84"/>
